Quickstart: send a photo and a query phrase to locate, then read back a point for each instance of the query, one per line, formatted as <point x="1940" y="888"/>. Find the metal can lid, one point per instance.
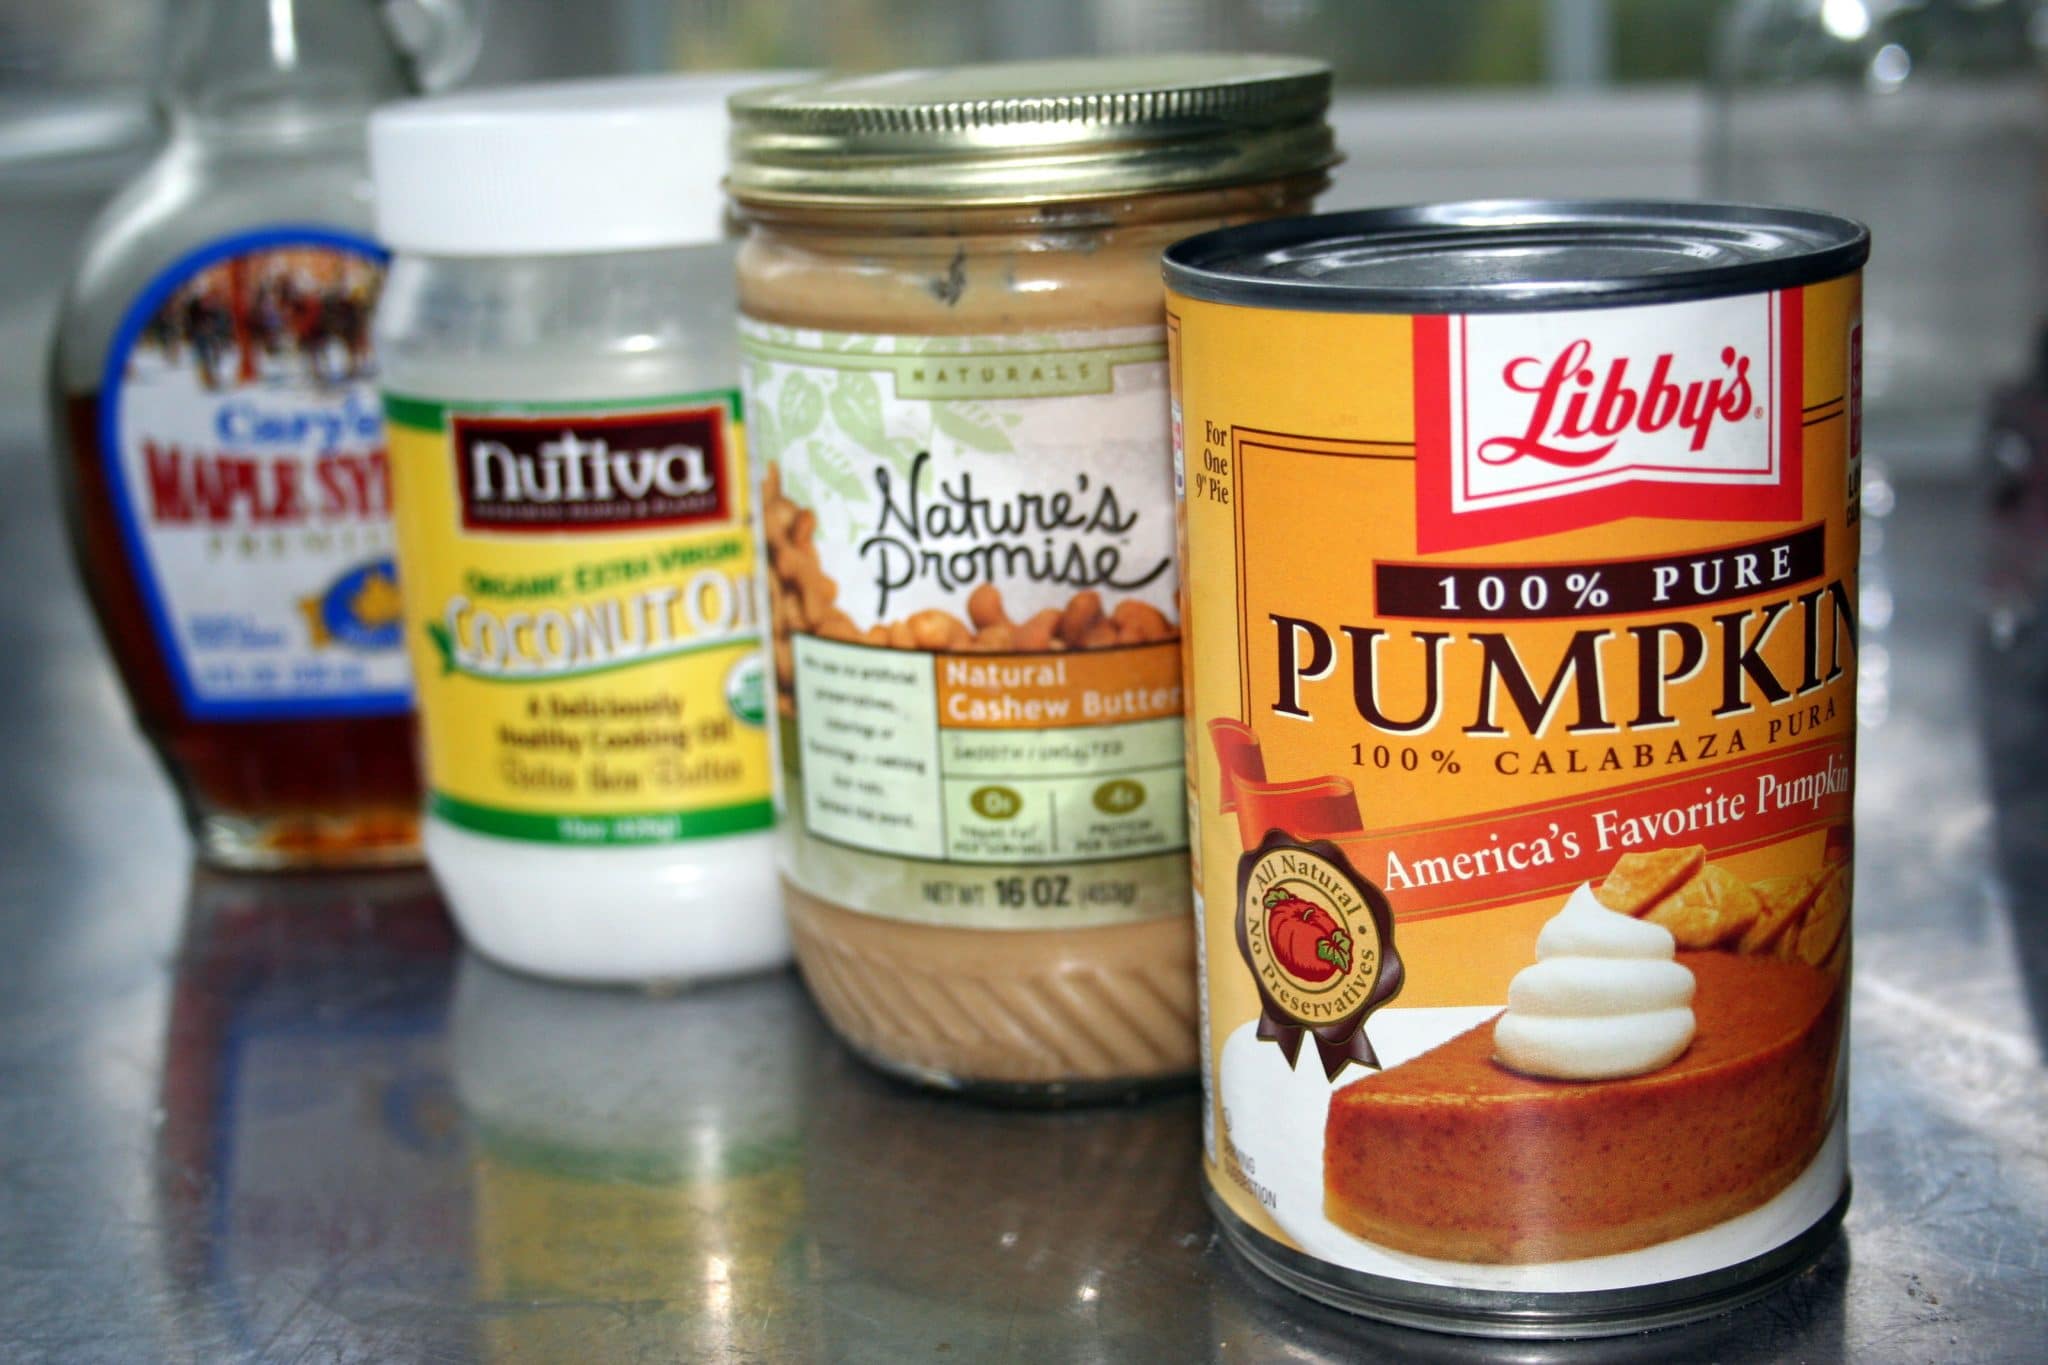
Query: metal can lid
<point x="1515" y="255"/>
<point x="1032" y="132"/>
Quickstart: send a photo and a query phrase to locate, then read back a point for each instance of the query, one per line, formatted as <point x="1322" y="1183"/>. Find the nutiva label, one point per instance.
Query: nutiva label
<point x="1533" y="423"/>
<point x="588" y="672"/>
<point x="594" y="473"/>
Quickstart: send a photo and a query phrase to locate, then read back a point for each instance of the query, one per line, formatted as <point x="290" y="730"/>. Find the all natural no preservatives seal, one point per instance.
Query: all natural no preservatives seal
<point x="1519" y="559"/>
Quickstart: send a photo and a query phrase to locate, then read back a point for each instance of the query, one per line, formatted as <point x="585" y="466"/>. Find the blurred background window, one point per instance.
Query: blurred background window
<point x="1377" y="44"/>
<point x="63" y="57"/>
<point x="1779" y="100"/>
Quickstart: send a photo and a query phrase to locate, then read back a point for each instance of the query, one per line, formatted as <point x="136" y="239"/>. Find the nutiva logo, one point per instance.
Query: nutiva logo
<point x="593" y="472"/>
<point x="1533" y="423"/>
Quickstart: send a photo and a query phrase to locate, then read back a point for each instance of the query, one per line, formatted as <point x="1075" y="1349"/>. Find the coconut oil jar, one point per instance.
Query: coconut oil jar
<point x="954" y="355"/>
<point x="576" y="542"/>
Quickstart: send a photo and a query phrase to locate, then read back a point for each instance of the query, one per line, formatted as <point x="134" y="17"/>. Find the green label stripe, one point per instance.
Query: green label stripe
<point x="652" y="827"/>
<point x="419" y="413"/>
<point x="975" y="374"/>
<point x="444" y="645"/>
<point x="431" y="414"/>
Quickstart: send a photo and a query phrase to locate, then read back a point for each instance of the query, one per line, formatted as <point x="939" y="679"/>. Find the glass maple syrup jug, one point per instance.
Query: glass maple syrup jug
<point x="220" y="440"/>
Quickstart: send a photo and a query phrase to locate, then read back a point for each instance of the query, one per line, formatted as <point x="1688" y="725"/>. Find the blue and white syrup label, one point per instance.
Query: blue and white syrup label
<point x="244" y="442"/>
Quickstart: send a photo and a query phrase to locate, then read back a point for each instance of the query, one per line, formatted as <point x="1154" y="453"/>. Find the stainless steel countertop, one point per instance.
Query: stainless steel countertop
<point x="288" y="1119"/>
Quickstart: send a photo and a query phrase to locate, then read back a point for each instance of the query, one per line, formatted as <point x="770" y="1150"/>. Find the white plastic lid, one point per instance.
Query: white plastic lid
<point x="573" y="166"/>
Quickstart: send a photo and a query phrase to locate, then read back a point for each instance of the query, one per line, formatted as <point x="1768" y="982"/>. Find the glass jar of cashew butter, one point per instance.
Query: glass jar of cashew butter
<point x="954" y="346"/>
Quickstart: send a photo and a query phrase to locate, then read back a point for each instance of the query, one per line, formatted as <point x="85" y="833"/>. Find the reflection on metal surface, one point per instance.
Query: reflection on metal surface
<point x="329" y="1181"/>
<point x="632" y="1151"/>
<point x="1042" y="1235"/>
<point x="1257" y="1320"/>
<point x="307" y="1115"/>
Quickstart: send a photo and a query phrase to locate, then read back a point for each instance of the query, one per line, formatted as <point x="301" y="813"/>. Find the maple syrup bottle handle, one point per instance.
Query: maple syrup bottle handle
<point x="441" y="38"/>
<point x="282" y="69"/>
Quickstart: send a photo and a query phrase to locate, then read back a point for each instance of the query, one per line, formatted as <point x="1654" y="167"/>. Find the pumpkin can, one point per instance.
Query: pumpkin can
<point x="1519" y="550"/>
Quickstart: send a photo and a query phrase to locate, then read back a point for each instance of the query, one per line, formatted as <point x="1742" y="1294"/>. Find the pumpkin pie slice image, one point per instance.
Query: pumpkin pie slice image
<point x="1452" y="1155"/>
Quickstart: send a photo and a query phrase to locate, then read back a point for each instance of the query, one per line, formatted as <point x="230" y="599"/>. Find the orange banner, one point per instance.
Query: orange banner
<point x="1056" y="691"/>
<point x="1514" y="855"/>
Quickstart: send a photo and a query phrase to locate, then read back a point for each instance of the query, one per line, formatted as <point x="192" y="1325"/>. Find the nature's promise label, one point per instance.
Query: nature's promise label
<point x="976" y="638"/>
<point x="581" y="611"/>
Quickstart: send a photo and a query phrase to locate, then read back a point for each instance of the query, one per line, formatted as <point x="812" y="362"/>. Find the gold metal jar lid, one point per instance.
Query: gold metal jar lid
<point x="1029" y="132"/>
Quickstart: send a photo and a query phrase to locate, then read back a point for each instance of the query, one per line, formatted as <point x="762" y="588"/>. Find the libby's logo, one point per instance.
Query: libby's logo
<point x="594" y="473"/>
<point x="1573" y="425"/>
<point x="1532" y="423"/>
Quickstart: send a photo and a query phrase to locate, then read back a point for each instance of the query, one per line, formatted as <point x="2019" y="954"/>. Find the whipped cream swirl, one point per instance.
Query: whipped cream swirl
<point x="1605" y="998"/>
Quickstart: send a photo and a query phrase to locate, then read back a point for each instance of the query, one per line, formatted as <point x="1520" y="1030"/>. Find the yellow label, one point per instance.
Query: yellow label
<point x="1500" y="622"/>
<point x="581" y="612"/>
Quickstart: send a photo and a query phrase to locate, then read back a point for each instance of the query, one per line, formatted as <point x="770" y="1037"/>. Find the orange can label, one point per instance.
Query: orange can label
<point x="1521" y="674"/>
